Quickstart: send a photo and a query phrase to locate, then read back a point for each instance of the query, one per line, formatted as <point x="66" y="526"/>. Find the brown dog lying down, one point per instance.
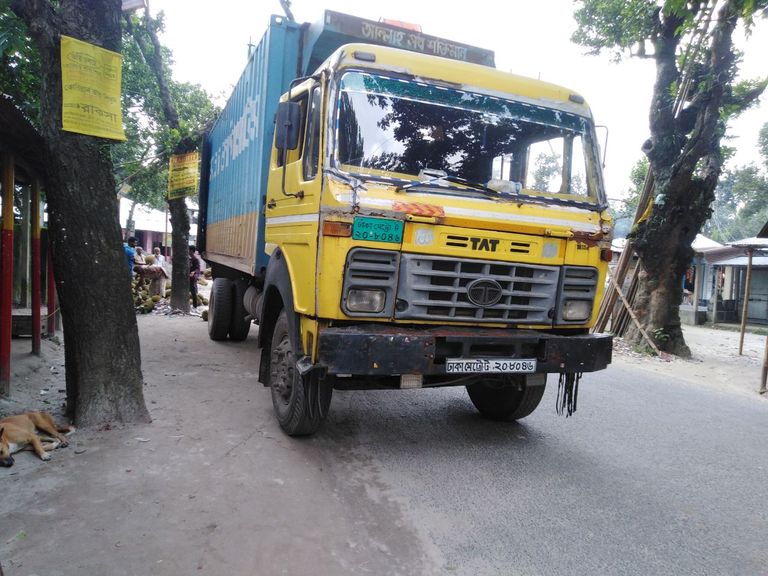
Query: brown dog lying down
<point x="18" y="433"/>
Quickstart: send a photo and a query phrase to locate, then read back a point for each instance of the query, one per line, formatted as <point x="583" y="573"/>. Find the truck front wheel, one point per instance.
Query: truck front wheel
<point x="508" y="401"/>
<point x="301" y="402"/>
<point x="220" y="309"/>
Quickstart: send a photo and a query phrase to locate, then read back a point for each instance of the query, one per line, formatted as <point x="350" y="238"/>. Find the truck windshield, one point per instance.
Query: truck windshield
<point x="396" y="128"/>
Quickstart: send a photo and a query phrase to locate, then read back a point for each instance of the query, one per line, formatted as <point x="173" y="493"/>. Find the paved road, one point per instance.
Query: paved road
<point x="649" y="477"/>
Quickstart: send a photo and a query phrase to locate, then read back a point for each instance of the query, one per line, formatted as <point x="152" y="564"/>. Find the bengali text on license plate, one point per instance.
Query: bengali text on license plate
<point x="500" y="365"/>
<point x="377" y="229"/>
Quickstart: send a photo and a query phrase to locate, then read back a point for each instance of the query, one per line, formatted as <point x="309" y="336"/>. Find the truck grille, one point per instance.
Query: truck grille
<point x="438" y="288"/>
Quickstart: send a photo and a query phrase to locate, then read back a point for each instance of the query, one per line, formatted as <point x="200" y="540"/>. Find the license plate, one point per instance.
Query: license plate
<point x="491" y="365"/>
<point x="377" y="229"/>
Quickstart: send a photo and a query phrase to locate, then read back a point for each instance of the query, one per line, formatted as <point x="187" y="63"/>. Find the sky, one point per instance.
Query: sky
<point x="531" y="38"/>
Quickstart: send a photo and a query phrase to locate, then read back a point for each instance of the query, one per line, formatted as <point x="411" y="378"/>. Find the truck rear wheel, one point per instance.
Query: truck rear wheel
<point x="220" y="309"/>
<point x="508" y="401"/>
<point x="239" y="326"/>
<point x="301" y="403"/>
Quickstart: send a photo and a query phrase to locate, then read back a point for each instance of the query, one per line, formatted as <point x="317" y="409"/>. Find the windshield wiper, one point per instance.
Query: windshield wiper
<point x="482" y="188"/>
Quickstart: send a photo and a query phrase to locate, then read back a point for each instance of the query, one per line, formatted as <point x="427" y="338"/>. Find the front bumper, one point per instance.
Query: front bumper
<point x="380" y="350"/>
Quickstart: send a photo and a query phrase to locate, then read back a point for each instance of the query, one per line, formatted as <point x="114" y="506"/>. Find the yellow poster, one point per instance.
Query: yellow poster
<point x="90" y="78"/>
<point x="183" y="175"/>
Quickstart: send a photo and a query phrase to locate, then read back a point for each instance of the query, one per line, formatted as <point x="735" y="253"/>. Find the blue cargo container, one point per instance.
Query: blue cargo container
<point x="236" y="152"/>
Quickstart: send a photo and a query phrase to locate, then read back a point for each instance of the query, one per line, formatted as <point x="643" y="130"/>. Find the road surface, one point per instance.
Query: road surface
<point x="650" y="476"/>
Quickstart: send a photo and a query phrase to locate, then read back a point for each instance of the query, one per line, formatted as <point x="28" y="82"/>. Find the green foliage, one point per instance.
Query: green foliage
<point x="660" y="335"/>
<point x="763" y="143"/>
<point x="614" y="25"/>
<point x="741" y="205"/>
<point x="741" y="200"/>
<point x="19" y="64"/>
<point x="547" y="167"/>
<point x="142" y="161"/>
<point x="624" y="211"/>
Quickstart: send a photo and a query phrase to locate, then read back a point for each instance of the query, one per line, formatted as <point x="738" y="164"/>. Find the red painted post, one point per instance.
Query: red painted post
<point x="51" y="291"/>
<point x="6" y="286"/>
<point x="36" y="281"/>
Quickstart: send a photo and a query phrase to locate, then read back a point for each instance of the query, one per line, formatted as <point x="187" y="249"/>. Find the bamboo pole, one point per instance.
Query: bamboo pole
<point x="648" y="339"/>
<point x="744" y="307"/>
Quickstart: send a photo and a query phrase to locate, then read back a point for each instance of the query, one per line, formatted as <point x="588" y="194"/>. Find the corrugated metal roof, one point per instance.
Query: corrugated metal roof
<point x="757" y="261"/>
<point x="754" y="242"/>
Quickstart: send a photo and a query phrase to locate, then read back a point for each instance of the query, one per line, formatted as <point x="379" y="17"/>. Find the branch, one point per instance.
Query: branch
<point x="722" y="69"/>
<point x="35" y="13"/>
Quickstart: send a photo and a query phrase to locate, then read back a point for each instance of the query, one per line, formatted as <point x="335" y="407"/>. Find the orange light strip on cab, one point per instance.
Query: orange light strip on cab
<point x="419" y="209"/>
<point x="332" y="228"/>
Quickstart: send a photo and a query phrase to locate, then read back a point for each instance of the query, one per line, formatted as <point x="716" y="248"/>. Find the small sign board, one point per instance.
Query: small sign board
<point x="405" y="38"/>
<point x="183" y="175"/>
<point x="90" y="90"/>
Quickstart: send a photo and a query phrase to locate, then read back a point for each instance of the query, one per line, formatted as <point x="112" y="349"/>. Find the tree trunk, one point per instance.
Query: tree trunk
<point x="178" y="207"/>
<point x="103" y="361"/>
<point x="180" y="238"/>
<point x="685" y="160"/>
<point x="130" y="223"/>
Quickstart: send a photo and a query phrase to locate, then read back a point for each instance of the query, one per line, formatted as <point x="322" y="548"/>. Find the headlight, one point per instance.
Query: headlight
<point x="577" y="310"/>
<point x="361" y="300"/>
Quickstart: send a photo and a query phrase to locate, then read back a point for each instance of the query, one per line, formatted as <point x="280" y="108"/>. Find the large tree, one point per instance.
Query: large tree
<point x="695" y="93"/>
<point x="180" y="112"/>
<point x="103" y="362"/>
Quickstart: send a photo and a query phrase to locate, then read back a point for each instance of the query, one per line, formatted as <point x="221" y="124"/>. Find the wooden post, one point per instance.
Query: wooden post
<point x="765" y="368"/>
<point x="165" y="235"/>
<point x="747" y="283"/>
<point x="714" y="302"/>
<point x="696" y="289"/>
<point x="36" y="280"/>
<point x="6" y="285"/>
<point x="23" y="249"/>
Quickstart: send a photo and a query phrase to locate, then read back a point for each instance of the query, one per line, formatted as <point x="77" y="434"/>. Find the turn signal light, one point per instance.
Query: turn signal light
<point x="331" y="228"/>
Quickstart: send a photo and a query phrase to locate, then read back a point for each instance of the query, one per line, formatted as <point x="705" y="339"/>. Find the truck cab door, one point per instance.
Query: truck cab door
<point x="293" y="191"/>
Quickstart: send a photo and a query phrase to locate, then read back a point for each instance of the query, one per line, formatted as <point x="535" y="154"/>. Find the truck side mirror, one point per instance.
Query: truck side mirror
<point x="287" y="124"/>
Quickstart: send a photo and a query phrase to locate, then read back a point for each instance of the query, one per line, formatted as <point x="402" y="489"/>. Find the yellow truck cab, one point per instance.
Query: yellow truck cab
<point x="426" y="221"/>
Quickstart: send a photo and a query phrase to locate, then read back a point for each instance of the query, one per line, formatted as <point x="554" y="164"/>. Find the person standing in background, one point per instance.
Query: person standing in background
<point x="194" y="274"/>
<point x="130" y="252"/>
<point x="159" y="258"/>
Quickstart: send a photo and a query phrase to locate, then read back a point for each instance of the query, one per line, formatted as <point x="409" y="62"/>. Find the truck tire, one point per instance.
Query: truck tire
<point x="297" y="413"/>
<point x="238" y="325"/>
<point x="506" y="402"/>
<point x="220" y="309"/>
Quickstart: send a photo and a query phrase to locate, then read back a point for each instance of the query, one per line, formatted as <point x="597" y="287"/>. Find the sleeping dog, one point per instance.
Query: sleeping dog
<point x="19" y="433"/>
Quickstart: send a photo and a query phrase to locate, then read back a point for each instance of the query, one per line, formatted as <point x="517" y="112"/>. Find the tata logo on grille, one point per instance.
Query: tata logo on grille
<point x="484" y="292"/>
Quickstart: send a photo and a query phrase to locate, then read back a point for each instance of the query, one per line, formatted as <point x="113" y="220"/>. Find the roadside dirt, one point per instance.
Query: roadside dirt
<point x="212" y="486"/>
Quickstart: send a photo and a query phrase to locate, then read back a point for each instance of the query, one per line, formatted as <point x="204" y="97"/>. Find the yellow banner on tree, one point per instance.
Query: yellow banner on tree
<point x="183" y="175"/>
<point x="90" y="82"/>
